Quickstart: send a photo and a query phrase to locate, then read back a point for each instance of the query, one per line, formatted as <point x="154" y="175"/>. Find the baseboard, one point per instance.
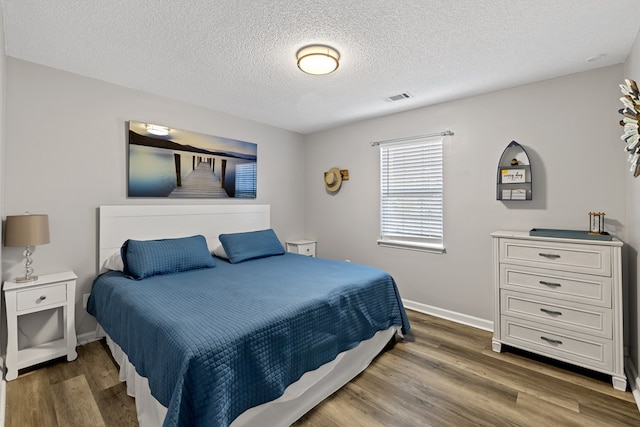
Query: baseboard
<point x="87" y="337"/>
<point x="633" y="379"/>
<point x="476" y="322"/>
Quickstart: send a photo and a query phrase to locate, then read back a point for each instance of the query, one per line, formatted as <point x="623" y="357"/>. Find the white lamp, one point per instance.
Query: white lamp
<point x="318" y="59"/>
<point x="26" y="230"/>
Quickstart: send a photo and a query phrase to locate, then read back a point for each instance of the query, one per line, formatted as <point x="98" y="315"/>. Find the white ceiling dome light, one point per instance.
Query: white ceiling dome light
<point x="318" y="59"/>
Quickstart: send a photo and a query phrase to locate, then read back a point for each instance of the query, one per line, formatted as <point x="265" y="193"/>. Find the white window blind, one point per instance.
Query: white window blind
<point x="411" y="194"/>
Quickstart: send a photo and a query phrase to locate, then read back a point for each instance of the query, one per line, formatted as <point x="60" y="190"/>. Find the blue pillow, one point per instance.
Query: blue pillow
<point x="251" y="245"/>
<point x="144" y="258"/>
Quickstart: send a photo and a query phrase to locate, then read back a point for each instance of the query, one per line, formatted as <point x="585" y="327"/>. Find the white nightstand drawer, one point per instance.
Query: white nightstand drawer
<point x="40" y="297"/>
<point x="561" y="314"/>
<point x="308" y="249"/>
<point x="588" y="259"/>
<point x="302" y="247"/>
<point x="570" y="347"/>
<point x="588" y="289"/>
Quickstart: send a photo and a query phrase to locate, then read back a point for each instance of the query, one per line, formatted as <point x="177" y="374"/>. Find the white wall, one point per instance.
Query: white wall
<point x="569" y="126"/>
<point x="632" y="71"/>
<point x="66" y="145"/>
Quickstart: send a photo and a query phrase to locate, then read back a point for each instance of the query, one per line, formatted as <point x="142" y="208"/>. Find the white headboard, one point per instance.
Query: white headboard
<point x="119" y="223"/>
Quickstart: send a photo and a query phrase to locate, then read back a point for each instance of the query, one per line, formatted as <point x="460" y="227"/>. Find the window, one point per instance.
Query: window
<point x="411" y="193"/>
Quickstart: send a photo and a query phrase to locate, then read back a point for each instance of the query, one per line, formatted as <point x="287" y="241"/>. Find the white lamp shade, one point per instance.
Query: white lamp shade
<point x="26" y="230"/>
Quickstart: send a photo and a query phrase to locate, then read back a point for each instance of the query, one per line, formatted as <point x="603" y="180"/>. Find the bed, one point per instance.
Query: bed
<point x="252" y="336"/>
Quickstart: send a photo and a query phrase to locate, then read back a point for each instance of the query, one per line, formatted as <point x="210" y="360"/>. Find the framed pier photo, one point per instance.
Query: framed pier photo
<point x="174" y="163"/>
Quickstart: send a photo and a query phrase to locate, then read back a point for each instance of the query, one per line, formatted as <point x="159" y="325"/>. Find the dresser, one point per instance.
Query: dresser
<point x="560" y="298"/>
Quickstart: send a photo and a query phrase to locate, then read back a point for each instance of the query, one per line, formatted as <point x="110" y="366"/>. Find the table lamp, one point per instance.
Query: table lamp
<point x="26" y="230"/>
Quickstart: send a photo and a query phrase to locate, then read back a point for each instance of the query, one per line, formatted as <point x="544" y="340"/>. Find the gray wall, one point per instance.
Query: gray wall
<point x="66" y="141"/>
<point x="568" y="125"/>
<point x="632" y="71"/>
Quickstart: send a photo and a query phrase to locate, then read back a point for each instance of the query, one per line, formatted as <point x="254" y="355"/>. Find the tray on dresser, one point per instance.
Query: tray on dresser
<point x="569" y="234"/>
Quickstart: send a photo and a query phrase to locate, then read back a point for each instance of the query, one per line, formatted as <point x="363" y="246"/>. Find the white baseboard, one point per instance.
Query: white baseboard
<point x="476" y="322"/>
<point x="634" y="380"/>
<point x="87" y="337"/>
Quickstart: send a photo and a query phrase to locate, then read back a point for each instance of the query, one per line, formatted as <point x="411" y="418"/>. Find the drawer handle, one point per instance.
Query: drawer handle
<point x="551" y="256"/>
<point x="552" y="284"/>
<point x="551" y="312"/>
<point x="42" y="298"/>
<point x="551" y="341"/>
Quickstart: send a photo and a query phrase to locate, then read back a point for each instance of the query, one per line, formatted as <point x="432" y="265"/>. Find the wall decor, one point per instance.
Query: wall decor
<point x="174" y="163"/>
<point x="333" y="179"/>
<point x="630" y="110"/>
<point x="596" y="223"/>
<point x="514" y="181"/>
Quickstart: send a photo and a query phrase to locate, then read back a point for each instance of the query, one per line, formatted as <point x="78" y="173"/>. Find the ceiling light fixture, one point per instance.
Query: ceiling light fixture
<point x="157" y="130"/>
<point x="318" y="59"/>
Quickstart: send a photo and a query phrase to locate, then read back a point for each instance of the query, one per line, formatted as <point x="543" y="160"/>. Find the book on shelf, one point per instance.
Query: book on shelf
<point x="514" y="194"/>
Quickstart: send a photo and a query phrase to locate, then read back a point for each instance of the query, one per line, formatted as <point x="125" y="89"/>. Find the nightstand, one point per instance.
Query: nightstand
<point x="302" y="247"/>
<point x="49" y="292"/>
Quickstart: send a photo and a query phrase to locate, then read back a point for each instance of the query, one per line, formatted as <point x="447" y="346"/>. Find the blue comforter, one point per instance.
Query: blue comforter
<point x="216" y="342"/>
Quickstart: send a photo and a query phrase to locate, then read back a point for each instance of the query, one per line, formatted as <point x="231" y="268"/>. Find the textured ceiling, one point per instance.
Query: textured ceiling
<point x="238" y="56"/>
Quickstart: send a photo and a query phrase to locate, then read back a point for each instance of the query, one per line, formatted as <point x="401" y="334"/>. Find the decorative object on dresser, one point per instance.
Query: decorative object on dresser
<point x="514" y="181"/>
<point x="302" y="247"/>
<point x="49" y="292"/>
<point x="561" y="298"/>
<point x="27" y="230"/>
<point x="630" y="111"/>
<point x="596" y="223"/>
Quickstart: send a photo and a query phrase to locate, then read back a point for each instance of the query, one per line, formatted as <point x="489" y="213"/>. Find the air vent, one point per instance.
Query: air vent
<point x="399" y="97"/>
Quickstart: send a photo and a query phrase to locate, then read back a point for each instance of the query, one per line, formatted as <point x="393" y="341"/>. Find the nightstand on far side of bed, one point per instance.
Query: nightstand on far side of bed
<point x="302" y="247"/>
<point x="48" y="292"/>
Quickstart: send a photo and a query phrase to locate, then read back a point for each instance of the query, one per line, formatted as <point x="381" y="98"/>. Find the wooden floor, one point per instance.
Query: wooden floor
<point x="443" y="374"/>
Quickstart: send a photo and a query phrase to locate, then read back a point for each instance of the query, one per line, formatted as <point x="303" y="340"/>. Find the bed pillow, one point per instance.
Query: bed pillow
<point x="145" y="258"/>
<point x="219" y="251"/>
<point x="114" y="262"/>
<point x="251" y="245"/>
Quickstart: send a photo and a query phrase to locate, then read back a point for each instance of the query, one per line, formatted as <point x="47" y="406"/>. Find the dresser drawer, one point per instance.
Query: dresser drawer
<point x="576" y="287"/>
<point x="575" y="317"/>
<point x="46" y="295"/>
<point x="571" y="347"/>
<point x="579" y="258"/>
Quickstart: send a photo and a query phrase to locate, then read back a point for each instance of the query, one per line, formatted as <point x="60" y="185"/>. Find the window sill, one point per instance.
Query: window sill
<point x="422" y="247"/>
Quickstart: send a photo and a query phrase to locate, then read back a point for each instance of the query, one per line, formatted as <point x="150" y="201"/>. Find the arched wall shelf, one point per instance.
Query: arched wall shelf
<point x="514" y="180"/>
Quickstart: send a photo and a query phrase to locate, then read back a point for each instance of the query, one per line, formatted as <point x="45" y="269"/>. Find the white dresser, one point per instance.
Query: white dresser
<point x="561" y="298"/>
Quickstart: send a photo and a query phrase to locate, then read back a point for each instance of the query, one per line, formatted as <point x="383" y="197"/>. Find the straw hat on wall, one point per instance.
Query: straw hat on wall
<point x="333" y="180"/>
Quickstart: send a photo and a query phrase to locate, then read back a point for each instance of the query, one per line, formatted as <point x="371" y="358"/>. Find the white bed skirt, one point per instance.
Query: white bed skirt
<point x="312" y="388"/>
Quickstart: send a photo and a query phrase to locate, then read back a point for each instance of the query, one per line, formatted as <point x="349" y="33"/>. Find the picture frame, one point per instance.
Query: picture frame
<point x="512" y="176"/>
<point x="166" y="162"/>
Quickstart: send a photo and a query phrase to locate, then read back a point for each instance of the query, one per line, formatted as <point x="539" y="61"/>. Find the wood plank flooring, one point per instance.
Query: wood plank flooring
<point x="443" y="374"/>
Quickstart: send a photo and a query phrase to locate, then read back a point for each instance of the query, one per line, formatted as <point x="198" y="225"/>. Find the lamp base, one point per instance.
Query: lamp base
<point x="25" y="279"/>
